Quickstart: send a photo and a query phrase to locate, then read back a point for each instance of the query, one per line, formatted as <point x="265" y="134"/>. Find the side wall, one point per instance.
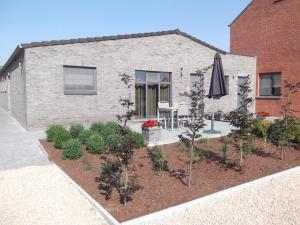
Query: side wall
<point x="4" y="88"/>
<point x="47" y="104"/>
<point x="271" y="32"/>
<point x="14" y="97"/>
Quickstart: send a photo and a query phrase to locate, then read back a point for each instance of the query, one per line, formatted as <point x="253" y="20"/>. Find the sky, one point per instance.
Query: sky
<point x="23" y="21"/>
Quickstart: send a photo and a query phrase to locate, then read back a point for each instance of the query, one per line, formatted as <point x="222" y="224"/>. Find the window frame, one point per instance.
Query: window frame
<point x="271" y="74"/>
<point x="81" y="92"/>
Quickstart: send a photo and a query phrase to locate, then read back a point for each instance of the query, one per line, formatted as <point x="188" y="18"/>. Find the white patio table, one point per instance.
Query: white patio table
<point x="168" y="109"/>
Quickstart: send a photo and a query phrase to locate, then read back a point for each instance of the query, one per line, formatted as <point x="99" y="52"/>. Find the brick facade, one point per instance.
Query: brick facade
<point x="43" y="66"/>
<point x="270" y="31"/>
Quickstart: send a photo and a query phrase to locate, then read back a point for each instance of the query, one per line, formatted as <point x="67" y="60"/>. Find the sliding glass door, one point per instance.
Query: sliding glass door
<point x="150" y="88"/>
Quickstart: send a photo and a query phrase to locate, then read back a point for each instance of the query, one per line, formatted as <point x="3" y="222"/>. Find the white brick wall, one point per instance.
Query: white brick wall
<point x="46" y="103"/>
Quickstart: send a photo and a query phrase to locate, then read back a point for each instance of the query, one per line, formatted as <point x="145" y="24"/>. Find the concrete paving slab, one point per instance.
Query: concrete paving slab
<point x="18" y="147"/>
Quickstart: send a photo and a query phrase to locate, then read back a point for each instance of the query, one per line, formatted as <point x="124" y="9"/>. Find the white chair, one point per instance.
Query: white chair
<point x="164" y="119"/>
<point x="183" y="114"/>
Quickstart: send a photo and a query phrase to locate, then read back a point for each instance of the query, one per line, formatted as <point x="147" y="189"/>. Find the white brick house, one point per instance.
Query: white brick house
<point x="78" y="80"/>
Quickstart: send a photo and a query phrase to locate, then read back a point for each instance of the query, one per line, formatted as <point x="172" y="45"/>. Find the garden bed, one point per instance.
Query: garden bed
<point x="159" y="192"/>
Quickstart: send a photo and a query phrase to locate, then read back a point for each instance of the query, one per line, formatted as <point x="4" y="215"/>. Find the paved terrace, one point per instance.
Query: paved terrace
<point x="168" y="136"/>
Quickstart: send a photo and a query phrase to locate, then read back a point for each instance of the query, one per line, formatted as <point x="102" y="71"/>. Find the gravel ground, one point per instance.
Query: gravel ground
<point x="275" y="201"/>
<point x="41" y="195"/>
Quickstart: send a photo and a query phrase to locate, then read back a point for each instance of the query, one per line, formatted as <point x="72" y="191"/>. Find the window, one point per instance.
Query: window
<point x="150" y="88"/>
<point x="80" y="80"/>
<point x="227" y="84"/>
<point x="270" y="84"/>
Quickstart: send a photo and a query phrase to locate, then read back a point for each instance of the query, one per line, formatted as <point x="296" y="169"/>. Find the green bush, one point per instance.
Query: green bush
<point x="97" y="127"/>
<point x="279" y="132"/>
<point x="296" y="132"/>
<point x="138" y="139"/>
<point x="72" y="149"/>
<point x="114" y="140"/>
<point x="84" y="135"/>
<point x="109" y="128"/>
<point x="61" y="135"/>
<point x="257" y="128"/>
<point x="75" y="130"/>
<point x="95" y="144"/>
<point x="50" y="132"/>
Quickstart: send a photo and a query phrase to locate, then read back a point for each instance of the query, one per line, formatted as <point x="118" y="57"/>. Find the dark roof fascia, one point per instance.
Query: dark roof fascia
<point x="106" y="38"/>
<point x="13" y="57"/>
<point x="245" y="55"/>
<point x="244" y="10"/>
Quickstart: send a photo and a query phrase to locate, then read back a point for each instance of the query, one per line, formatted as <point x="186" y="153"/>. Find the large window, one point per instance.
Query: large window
<point x="270" y="84"/>
<point x="150" y="88"/>
<point x="80" y="80"/>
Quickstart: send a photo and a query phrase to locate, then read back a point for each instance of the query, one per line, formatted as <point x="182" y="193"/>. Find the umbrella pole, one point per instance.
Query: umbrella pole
<point x="213" y="116"/>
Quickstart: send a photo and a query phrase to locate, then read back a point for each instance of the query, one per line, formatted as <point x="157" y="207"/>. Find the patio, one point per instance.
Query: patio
<point x="168" y="136"/>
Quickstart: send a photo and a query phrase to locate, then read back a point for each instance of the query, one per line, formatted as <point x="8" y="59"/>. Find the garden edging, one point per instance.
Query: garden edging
<point x="185" y="206"/>
<point x="109" y="218"/>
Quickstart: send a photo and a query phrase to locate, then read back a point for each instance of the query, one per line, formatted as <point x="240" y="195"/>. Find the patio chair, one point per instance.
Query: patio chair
<point x="183" y="114"/>
<point x="162" y="118"/>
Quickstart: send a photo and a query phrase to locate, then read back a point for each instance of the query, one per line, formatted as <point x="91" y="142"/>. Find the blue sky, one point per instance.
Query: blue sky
<point x="41" y="20"/>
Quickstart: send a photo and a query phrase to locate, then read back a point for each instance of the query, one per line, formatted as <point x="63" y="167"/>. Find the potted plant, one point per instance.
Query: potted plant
<point x="151" y="131"/>
<point x="262" y="115"/>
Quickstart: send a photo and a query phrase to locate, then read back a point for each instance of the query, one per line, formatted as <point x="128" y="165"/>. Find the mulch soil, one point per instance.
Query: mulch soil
<point x="210" y="174"/>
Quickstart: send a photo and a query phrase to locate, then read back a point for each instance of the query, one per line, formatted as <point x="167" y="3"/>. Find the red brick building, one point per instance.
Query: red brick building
<point x="270" y="30"/>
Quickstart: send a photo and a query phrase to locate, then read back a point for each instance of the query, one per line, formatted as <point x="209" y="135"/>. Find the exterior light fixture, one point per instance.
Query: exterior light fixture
<point x="181" y="73"/>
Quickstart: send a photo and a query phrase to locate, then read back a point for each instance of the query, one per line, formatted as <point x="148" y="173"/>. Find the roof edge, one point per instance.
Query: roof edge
<point x="241" y="13"/>
<point x="105" y="38"/>
<point x="13" y="56"/>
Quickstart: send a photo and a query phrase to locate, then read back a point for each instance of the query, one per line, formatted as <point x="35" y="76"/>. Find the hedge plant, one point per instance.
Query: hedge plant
<point x="84" y="135"/>
<point x="52" y="130"/>
<point x="75" y="130"/>
<point x="72" y="149"/>
<point x="97" y="127"/>
<point x="113" y="141"/>
<point x="95" y="144"/>
<point x="138" y="140"/>
<point x="60" y="136"/>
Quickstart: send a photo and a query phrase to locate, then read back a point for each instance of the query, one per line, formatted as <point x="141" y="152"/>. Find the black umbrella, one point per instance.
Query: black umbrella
<point x="217" y="87"/>
<point x="217" y="83"/>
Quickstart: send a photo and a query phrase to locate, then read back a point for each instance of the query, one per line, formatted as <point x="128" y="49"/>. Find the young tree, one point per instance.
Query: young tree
<point x="188" y="137"/>
<point x="115" y="173"/>
<point x="290" y="89"/>
<point x="125" y="151"/>
<point x="241" y="118"/>
<point x="281" y="130"/>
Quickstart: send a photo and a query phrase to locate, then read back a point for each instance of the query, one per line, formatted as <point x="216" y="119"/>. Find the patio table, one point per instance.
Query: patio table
<point x="168" y="109"/>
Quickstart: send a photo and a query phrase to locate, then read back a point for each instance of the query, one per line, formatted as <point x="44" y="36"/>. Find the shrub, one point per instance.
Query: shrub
<point x="72" y="149"/>
<point x="84" y="135"/>
<point x="109" y="129"/>
<point x="226" y="142"/>
<point x="61" y="135"/>
<point x="75" y="130"/>
<point x="138" y="140"/>
<point x="95" y="144"/>
<point x="50" y="132"/>
<point x="296" y="132"/>
<point x="114" y="140"/>
<point x="97" y="127"/>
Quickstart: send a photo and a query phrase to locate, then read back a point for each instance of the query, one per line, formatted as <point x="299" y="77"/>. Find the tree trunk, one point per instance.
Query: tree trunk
<point x="191" y="165"/>
<point x="241" y="154"/>
<point x="126" y="186"/>
<point x="281" y="153"/>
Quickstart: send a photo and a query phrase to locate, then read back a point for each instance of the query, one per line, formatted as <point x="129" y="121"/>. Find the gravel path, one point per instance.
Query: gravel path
<point x="275" y="201"/>
<point x="41" y="195"/>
